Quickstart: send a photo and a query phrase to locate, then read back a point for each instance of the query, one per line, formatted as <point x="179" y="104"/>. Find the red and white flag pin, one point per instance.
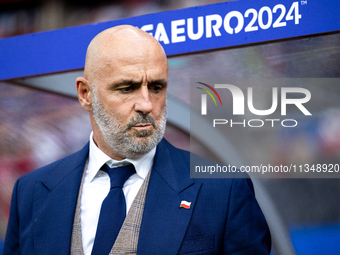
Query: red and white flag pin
<point x="185" y="204"/>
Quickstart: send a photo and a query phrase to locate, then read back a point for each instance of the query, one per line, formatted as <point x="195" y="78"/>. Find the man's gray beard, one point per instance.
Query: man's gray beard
<point x="127" y="144"/>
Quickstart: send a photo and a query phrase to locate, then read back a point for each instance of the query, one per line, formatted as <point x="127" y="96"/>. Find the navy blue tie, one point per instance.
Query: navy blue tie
<point x="113" y="210"/>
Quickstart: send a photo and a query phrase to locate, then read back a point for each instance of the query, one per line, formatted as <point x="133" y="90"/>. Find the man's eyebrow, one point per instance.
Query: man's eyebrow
<point x="134" y="83"/>
<point x="161" y="82"/>
<point x="126" y="82"/>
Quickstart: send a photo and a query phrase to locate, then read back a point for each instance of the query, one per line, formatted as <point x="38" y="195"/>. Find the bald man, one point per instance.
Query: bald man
<point x="72" y="206"/>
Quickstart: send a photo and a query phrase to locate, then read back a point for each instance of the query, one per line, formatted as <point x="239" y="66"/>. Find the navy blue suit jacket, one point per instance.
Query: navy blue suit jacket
<point x="224" y="217"/>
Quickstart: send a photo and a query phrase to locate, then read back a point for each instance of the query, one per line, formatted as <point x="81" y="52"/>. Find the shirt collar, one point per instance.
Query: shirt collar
<point x="97" y="158"/>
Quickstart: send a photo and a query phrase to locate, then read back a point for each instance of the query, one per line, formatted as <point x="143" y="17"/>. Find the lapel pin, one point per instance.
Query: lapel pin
<point x="185" y="204"/>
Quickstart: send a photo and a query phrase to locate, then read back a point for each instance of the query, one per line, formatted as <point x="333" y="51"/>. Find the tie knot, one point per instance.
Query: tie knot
<point x="119" y="175"/>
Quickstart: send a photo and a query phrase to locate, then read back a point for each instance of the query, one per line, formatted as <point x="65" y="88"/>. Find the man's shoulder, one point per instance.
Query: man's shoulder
<point x="59" y="167"/>
<point x="190" y="160"/>
<point x="210" y="185"/>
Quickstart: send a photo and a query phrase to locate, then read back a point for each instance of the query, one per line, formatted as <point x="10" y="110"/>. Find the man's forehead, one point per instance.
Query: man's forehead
<point x="139" y="76"/>
<point x="136" y="65"/>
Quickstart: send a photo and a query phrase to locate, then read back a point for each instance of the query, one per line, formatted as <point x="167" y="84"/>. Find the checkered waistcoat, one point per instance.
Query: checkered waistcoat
<point x="127" y="239"/>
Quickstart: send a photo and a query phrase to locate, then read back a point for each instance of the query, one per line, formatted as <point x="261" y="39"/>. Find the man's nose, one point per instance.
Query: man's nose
<point x="143" y="103"/>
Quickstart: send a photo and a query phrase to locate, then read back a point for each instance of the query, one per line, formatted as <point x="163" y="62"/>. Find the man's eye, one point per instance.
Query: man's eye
<point x="126" y="89"/>
<point x="156" y="88"/>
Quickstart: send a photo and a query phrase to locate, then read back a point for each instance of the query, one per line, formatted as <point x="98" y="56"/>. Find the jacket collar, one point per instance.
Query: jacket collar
<point x="54" y="203"/>
<point x="164" y="222"/>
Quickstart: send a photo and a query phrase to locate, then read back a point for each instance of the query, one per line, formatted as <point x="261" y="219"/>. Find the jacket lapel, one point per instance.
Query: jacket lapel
<point x="164" y="223"/>
<point x="54" y="204"/>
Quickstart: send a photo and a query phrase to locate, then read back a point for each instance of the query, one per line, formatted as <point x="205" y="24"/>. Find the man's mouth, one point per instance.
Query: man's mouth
<point x="143" y="126"/>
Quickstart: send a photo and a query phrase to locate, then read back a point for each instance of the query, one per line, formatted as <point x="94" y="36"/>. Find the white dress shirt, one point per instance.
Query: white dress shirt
<point x="96" y="186"/>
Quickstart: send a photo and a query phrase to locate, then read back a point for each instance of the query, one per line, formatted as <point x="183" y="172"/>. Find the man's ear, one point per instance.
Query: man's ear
<point x="84" y="91"/>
